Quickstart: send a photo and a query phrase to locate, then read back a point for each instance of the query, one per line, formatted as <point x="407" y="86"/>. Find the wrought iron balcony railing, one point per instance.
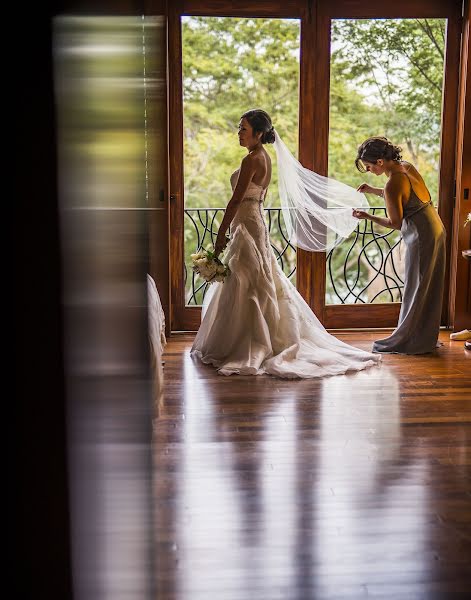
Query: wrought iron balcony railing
<point x="365" y="268"/>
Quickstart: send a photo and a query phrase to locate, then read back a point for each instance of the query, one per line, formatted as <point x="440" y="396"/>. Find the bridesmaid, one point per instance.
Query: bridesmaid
<point x="409" y="208"/>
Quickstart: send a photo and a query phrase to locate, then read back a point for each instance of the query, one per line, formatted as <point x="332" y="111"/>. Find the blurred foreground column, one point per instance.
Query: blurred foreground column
<point x="101" y="92"/>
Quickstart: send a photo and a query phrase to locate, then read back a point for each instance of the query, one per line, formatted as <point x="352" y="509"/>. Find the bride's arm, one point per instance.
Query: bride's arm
<point x="247" y="171"/>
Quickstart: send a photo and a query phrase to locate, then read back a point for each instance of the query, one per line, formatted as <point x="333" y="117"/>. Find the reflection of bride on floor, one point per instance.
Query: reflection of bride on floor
<point x="256" y="321"/>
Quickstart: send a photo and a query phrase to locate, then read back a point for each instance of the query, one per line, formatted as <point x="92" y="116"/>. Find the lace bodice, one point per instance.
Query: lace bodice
<point x="250" y="214"/>
<point x="256" y="321"/>
<point x="254" y="191"/>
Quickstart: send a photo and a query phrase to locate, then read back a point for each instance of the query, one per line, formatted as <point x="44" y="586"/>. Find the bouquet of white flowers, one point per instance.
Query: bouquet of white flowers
<point x="209" y="267"/>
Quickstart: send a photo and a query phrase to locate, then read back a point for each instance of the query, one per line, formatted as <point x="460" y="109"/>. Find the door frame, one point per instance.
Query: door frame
<point x="386" y="314"/>
<point x="188" y="318"/>
<point x="314" y="95"/>
<point x="460" y="292"/>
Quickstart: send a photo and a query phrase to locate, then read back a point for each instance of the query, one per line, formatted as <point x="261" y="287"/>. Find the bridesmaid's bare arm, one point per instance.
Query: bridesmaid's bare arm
<point x="395" y="191"/>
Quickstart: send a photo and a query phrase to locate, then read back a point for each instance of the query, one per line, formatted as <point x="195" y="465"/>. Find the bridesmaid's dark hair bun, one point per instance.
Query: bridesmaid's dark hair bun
<point x="260" y="121"/>
<point x="374" y="148"/>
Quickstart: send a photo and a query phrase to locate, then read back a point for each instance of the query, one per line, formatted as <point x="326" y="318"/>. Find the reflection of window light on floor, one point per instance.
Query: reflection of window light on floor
<point x="271" y="478"/>
<point x="351" y="470"/>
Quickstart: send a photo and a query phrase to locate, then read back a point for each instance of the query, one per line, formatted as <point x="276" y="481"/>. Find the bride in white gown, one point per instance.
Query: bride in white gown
<point x="256" y="321"/>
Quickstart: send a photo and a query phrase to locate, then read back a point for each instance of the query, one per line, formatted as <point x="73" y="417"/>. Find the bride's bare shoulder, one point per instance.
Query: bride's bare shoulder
<point x="264" y="159"/>
<point x="268" y="158"/>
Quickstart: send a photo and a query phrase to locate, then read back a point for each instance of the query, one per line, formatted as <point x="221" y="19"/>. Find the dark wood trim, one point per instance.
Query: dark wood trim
<point x="188" y="317"/>
<point x="336" y="9"/>
<point x="306" y="271"/>
<point x="399" y="9"/>
<point x="361" y="315"/>
<point x="155" y="7"/>
<point x="460" y="269"/>
<point x="261" y="8"/>
<point x="112" y="8"/>
<point x="321" y="143"/>
<point x="176" y="185"/>
<point x="157" y="163"/>
<point x="313" y="140"/>
<point x="448" y="147"/>
<point x="335" y="316"/>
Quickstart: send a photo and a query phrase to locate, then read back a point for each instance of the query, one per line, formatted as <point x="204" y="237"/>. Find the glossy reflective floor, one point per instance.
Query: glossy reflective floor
<point x="354" y="486"/>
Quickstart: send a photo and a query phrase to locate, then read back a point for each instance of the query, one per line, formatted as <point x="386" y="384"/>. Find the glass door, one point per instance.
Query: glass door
<point x="229" y="64"/>
<point x="392" y="75"/>
<point x="330" y="74"/>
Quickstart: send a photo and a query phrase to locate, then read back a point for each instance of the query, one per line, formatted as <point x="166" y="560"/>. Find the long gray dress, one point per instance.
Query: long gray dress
<point x="424" y="236"/>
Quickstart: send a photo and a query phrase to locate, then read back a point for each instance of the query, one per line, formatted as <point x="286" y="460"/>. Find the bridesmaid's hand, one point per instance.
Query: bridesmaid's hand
<point x="360" y="214"/>
<point x="366" y="188"/>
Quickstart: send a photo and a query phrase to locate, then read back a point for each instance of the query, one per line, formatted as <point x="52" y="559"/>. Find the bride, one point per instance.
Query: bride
<point x="256" y="321"/>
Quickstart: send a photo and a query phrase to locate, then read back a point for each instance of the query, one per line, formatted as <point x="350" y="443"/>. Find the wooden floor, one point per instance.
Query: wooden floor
<point x="353" y="486"/>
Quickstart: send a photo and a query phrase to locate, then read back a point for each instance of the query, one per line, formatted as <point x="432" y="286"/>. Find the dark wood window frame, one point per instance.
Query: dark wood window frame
<point x="315" y="18"/>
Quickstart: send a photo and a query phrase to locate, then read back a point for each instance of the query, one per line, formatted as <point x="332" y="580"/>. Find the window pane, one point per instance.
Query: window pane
<point x="231" y="65"/>
<point x="386" y="79"/>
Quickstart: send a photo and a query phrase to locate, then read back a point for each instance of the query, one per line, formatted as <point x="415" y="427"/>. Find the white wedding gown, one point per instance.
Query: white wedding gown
<point x="256" y="321"/>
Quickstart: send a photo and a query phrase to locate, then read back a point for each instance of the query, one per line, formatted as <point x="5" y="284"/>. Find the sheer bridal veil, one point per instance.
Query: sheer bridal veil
<point x="317" y="210"/>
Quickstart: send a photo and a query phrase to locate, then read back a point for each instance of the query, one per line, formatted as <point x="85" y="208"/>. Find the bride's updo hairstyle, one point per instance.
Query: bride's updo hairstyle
<point x="260" y="121"/>
<point x="374" y="148"/>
